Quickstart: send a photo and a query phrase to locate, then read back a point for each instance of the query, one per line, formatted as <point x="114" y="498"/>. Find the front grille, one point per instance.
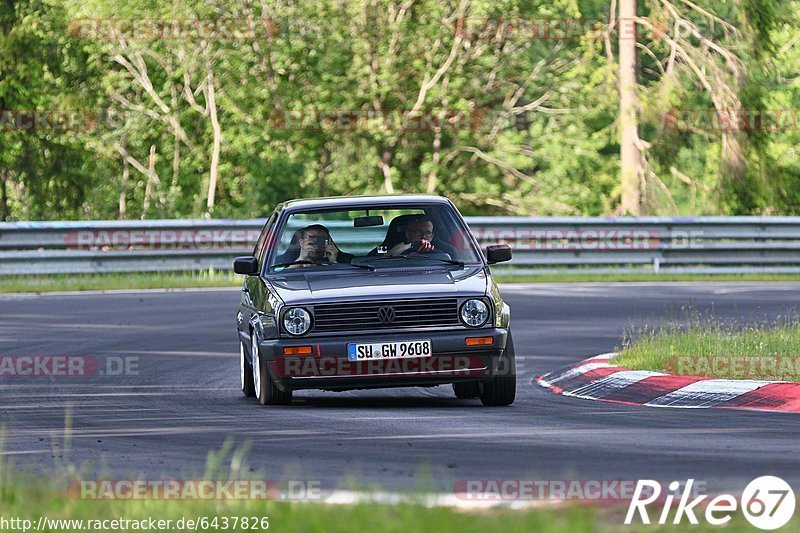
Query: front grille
<point x="361" y="316"/>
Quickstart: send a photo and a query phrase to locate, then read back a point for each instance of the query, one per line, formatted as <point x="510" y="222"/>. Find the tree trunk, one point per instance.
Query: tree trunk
<point x="4" y="194"/>
<point x="322" y="174"/>
<point x="386" y="169"/>
<point x="212" y="111"/>
<point x="433" y="176"/>
<point x="123" y="192"/>
<point x="630" y="157"/>
<point x="151" y="177"/>
<point x="176" y="153"/>
<point x="176" y="168"/>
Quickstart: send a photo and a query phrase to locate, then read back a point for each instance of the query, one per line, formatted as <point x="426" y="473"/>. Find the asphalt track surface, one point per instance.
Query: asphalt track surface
<point x="185" y="400"/>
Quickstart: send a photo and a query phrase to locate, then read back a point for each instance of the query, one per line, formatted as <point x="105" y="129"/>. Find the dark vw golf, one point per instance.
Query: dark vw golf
<point x="371" y="292"/>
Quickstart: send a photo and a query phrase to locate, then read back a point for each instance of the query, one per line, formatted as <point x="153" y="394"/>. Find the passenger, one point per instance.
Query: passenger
<point x="313" y="244"/>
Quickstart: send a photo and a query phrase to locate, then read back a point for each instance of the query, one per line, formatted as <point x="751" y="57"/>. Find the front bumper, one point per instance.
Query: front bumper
<point x="329" y="368"/>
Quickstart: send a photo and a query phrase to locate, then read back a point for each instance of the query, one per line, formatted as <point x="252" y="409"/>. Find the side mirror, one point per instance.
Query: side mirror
<point x="245" y="265"/>
<point x="498" y="253"/>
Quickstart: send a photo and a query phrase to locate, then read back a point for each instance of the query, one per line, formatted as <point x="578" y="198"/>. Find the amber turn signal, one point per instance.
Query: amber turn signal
<point x="297" y="350"/>
<point x="480" y="341"/>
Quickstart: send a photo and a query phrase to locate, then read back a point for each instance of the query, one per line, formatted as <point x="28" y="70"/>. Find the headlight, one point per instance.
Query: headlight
<point x="296" y="321"/>
<point x="474" y="313"/>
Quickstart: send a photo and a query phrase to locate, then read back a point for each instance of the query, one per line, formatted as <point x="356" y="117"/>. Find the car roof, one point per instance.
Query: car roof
<point x="358" y="201"/>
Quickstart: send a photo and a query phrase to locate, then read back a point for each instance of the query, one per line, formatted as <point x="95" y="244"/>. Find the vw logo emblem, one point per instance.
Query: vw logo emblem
<point x="386" y="315"/>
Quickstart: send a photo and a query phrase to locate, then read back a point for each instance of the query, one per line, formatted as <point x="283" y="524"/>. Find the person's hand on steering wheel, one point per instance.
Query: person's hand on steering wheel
<point x="423" y="246"/>
<point x="398" y="249"/>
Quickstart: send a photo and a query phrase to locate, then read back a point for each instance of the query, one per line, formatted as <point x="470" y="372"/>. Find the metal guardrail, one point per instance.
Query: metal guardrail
<point x="541" y="245"/>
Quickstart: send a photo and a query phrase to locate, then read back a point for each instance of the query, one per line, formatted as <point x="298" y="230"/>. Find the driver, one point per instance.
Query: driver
<point x="418" y="237"/>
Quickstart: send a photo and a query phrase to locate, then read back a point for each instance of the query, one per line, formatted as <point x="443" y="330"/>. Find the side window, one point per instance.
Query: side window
<point x="261" y="245"/>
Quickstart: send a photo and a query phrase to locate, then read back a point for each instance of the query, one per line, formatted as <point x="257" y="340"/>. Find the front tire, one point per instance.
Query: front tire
<point x="502" y="389"/>
<point x="266" y="391"/>
<point x="246" y="373"/>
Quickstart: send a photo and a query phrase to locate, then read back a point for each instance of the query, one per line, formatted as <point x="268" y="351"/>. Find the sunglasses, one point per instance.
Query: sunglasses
<point x="424" y="234"/>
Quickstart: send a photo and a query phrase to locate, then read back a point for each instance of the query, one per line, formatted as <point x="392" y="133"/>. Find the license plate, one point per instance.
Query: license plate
<point x="388" y="350"/>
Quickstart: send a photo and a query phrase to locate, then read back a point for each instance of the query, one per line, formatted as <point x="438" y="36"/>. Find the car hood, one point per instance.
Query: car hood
<point x="311" y="288"/>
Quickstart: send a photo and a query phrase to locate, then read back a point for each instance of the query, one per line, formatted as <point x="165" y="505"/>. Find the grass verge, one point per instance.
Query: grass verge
<point x="711" y="348"/>
<point x="202" y="279"/>
<point x="301" y="517"/>
<point x="53" y="503"/>
<point x="134" y="280"/>
<point x="33" y="500"/>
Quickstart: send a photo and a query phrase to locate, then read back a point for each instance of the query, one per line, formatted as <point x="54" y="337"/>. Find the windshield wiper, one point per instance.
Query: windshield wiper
<point x="302" y="262"/>
<point x="318" y="263"/>
<point x="402" y="256"/>
<point x="448" y="261"/>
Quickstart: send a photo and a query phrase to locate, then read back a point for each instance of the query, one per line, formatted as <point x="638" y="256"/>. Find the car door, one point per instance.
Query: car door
<point x="254" y="290"/>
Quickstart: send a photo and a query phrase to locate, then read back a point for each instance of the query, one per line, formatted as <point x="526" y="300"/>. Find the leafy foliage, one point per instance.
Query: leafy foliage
<point x="539" y="130"/>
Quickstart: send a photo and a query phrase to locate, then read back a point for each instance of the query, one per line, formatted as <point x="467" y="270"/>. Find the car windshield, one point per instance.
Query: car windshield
<point x="374" y="238"/>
